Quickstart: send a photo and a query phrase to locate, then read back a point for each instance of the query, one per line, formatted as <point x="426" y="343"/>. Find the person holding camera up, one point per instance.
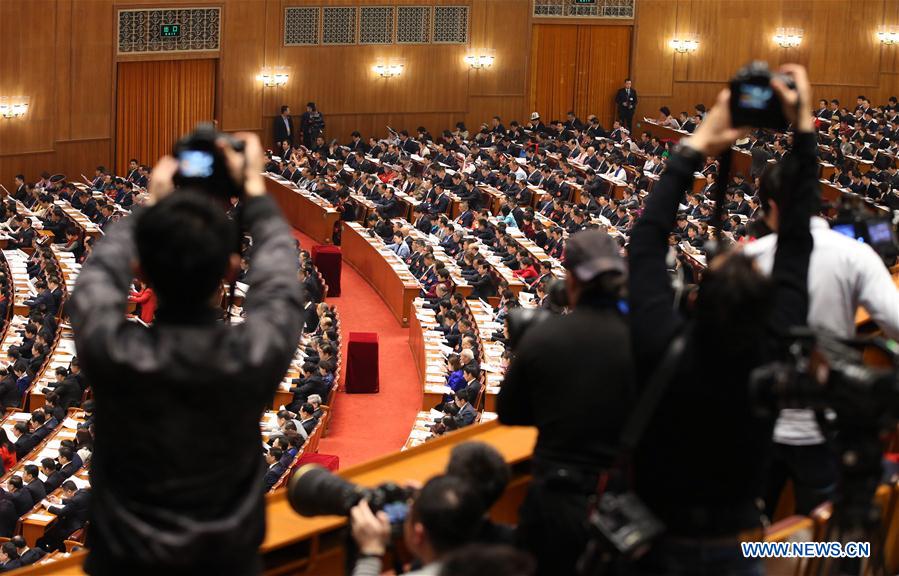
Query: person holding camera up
<point x="446" y="514"/>
<point x="700" y="464"/>
<point x="159" y="506"/>
<point x="583" y="359"/>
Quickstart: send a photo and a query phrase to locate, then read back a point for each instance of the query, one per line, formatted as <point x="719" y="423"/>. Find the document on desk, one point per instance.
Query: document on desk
<point x="42" y="517"/>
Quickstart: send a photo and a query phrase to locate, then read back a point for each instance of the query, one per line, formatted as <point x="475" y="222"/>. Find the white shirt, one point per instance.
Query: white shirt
<point x="843" y="275"/>
<point x="286" y="124"/>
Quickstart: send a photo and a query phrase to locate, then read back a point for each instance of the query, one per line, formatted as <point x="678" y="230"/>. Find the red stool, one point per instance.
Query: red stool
<point x="362" y="363"/>
<point x="329" y="261"/>
<point x="328" y="461"/>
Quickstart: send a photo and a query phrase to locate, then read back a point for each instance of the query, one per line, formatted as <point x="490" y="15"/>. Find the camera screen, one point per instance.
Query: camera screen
<point x="846" y="230"/>
<point x="196" y="164"/>
<point x="879" y="232"/>
<point x="754" y="97"/>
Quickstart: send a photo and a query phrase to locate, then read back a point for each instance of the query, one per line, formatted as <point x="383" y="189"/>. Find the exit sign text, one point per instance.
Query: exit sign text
<point x="171" y="30"/>
<point x="583" y="1"/>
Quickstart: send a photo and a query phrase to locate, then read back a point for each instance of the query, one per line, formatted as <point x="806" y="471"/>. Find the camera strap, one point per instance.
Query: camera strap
<point x="649" y="400"/>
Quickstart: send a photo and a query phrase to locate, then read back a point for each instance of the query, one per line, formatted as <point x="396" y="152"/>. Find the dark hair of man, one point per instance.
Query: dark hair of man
<point x="16" y="482"/>
<point x="70" y="486"/>
<point x="10" y="550"/>
<point x="49" y="464"/>
<point x="31" y="470"/>
<point x="276" y="453"/>
<point x="67" y="453"/>
<point x="472" y="369"/>
<point x="184" y="243"/>
<point x="21" y="428"/>
<point x="307" y="408"/>
<point x="284" y="109"/>
<point x="482" y="466"/>
<point x="38" y="417"/>
<point x="450" y="511"/>
<point x="19" y="541"/>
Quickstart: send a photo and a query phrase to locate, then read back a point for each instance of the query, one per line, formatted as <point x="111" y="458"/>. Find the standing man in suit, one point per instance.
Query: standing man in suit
<point x="626" y="101"/>
<point x="282" y="128"/>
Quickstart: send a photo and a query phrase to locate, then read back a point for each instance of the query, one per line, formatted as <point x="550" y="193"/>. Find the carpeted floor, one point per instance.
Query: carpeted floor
<point x="365" y="426"/>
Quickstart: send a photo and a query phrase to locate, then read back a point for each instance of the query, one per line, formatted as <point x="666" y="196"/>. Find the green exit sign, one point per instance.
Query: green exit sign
<point x="583" y="1"/>
<point x="171" y="30"/>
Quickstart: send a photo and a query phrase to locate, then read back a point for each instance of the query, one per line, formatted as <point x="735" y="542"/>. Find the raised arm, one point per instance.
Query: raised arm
<point x="794" y="239"/>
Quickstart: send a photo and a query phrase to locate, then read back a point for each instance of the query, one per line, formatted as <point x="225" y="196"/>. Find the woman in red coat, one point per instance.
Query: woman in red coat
<point x="7" y="451"/>
<point x="144" y="297"/>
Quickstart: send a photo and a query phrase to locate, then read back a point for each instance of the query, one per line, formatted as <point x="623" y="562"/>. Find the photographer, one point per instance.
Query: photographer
<point x="701" y="462"/>
<point x="843" y="275"/>
<point x="446" y="514"/>
<point x="591" y="372"/>
<point x="157" y="508"/>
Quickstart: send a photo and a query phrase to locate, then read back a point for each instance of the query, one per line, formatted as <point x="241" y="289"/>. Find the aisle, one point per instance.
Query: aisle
<point x="365" y="426"/>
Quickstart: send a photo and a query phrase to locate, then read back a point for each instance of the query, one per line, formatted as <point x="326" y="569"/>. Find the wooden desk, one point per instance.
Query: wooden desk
<point x="396" y="291"/>
<point x="659" y="131"/>
<point x="303" y="211"/>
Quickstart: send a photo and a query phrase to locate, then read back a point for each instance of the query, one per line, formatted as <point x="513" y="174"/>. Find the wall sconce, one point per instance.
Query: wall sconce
<point x="10" y="109"/>
<point x="480" y="61"/>
<point x="274" y="76"/>
<point x="788" y="37"/>
<point x="888" y="35"/>
<point x="388" y="70"/>
<point x="684" y="45"/>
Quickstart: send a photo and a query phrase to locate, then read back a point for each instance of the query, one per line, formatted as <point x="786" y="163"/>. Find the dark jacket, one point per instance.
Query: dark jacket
<point x="37" y="490"/>
<point x="183" y="361"/>
<point x="73" y="513"/>
<point x="597" y="388"/>
<point x="705" y="427"/>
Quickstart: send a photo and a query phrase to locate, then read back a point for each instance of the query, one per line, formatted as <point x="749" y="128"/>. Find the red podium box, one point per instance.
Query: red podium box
<point x="329" y="261"/>
<point x="362" y="363"/>
<point x="328" y="461"/>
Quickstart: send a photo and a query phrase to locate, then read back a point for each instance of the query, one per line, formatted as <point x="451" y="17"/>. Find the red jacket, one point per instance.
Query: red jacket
<point x="8" y="456"/>
<point x="146" y="298"/>
<point x="526" y="274"/>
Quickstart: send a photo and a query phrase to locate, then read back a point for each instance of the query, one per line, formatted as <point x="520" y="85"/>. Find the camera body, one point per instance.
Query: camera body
<point x="202" y="165"/>
<point x="753" y="102"/>
<point x="315" y="491"/>
<point x="858" y="222"/>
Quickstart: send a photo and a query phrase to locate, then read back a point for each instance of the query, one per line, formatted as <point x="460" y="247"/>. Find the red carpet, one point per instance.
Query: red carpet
<point x="364" y="426"/>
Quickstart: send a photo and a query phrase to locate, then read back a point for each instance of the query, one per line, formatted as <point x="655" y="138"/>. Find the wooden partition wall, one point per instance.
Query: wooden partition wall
<point x="157" y="102"/>
<point x="578" y="67"/>
<point x="839" y="47"/>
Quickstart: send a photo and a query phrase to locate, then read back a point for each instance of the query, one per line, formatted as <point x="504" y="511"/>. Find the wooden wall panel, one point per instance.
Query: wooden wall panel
<point x="578" y="67"/>
<point x="62" y="54"/>
<point x="839" y="47"/>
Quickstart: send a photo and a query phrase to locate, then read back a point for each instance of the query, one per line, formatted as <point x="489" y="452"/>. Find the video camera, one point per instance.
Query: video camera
<point x="854" y="386"/>
<point x="315" y="491"/>
<point x="753" y="101"/>
<point x="857" y="221"/>
<point x="202" y="165"/>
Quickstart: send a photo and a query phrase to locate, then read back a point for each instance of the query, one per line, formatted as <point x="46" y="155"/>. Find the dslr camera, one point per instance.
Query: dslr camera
<point x="753" y="102"/>
<point x="315" y="491"/>
<point x="202" y="166"/>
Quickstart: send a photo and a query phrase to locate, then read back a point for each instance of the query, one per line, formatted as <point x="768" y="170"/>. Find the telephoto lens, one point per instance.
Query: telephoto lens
<point x="315" y="491"/>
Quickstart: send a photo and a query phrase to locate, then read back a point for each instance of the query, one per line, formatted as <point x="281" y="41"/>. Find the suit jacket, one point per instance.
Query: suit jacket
<point x="466" y="415"/>
<point x="272" y="475"/>
<point x="73" y="466"/>
<point x="31" y="556"/>
<point x="626" y="100"/>
<point x="37" y="489"/>
<point x="280" y="130"/>
<point x="8" y="518"/>
<point x="73" y="513"/>
<point x="54" y="481"/>
<point x="21" y="500"/>
<point x="25" y="444"/>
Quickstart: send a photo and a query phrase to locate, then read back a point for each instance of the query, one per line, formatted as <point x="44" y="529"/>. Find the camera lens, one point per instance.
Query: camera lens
<point x="315" y="491"/>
